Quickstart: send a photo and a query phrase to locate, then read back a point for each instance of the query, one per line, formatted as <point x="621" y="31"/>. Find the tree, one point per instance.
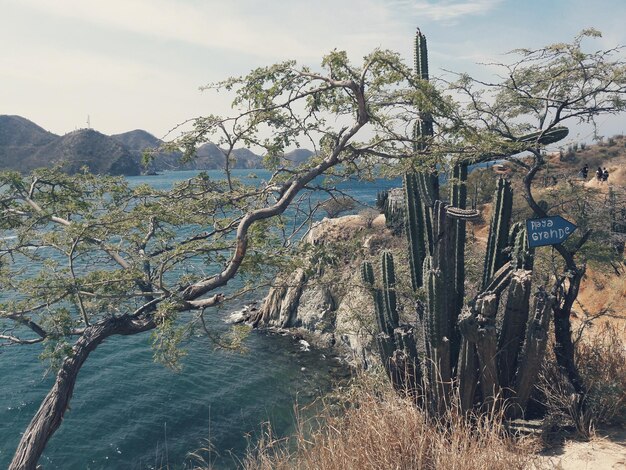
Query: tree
<point x="544" y="89"/>
<point x="105" y="258"/>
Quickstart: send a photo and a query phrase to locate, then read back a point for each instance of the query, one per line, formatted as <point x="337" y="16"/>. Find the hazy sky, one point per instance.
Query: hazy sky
<point x="132" y="64"/>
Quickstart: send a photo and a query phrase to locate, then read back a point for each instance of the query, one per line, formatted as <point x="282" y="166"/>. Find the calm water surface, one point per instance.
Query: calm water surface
<point x="131" y="413"/>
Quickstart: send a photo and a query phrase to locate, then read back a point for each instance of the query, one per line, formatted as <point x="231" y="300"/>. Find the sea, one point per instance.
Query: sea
<point x="128" y="412"/>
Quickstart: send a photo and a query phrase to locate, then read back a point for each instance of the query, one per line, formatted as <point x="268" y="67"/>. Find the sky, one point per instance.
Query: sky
<point x="138" y="64"/>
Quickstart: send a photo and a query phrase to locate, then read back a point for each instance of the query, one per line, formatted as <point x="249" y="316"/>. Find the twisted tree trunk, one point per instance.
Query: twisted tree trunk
<point x="50" y="414"/>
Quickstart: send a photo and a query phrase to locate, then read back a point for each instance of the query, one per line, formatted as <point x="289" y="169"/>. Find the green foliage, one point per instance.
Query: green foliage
<point x="54" y="353"/>
<point x="481" y="185"/>
<point x="167" y="337"/>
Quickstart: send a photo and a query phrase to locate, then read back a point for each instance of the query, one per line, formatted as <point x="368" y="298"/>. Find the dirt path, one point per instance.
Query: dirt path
<point x="607" y="451"/>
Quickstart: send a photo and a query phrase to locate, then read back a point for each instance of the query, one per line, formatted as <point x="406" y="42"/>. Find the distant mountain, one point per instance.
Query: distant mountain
<point x="210" y="157"/>
<point x="25" y="146"/>
<point x="138" y="141"/>
<point x="100" y="153"/>
<point x="16" y="131"/>
<point x="19" y="139"/>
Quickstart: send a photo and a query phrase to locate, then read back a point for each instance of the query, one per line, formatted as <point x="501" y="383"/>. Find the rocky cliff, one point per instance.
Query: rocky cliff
<point x="330" y="302"/>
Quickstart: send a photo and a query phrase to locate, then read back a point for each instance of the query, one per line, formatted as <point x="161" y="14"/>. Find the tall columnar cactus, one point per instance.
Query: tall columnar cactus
<point x="458" y="200"/>
<point x="367" y="276"/>
<point x="421" y="56"/>
<point x="389" y="290"/>
<point x="513" y="329"/>
<point x="616" y="215"/>
<point x="498" y="231"/>
<point x="415" y="232"/>
<point x="396" y="343"/>
<point x="462" y="343"/>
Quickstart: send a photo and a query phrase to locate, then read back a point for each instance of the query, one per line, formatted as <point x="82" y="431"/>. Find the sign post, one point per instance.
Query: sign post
<point x="548" y="230"/>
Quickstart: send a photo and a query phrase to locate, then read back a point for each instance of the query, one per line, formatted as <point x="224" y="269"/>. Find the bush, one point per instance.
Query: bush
<point x="481" y="184"/>
<point x="336" y="205"/>
<point x="601" y="361"/>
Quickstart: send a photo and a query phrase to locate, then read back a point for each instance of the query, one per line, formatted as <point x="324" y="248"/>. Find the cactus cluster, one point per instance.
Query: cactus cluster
<point x="489" y="346"/>
<point x="396" y="342"/>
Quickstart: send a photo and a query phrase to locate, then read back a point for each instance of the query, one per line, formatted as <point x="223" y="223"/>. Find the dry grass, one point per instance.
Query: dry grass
<point x="601" y="360"/>
<point x="377" y="429"/>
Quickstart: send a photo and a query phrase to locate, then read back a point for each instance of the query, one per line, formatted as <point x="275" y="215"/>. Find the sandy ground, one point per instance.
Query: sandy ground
<point x="606" y="451"/>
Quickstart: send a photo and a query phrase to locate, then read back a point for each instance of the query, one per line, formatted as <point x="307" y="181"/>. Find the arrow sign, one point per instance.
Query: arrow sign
<point x="548" y="230"/>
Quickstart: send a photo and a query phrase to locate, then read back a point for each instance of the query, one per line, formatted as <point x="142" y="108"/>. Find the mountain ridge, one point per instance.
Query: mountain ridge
<point x="25" y="146"/>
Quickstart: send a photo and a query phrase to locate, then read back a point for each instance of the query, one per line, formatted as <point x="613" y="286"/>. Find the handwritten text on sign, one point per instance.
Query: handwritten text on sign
<point x="548" y="230"/>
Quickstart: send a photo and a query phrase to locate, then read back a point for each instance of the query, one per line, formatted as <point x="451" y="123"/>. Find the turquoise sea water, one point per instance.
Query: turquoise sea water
<point x="131" y="413"/>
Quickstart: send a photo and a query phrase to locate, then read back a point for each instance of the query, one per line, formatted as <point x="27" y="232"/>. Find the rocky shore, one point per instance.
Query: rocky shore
<point x="329" y="308"/>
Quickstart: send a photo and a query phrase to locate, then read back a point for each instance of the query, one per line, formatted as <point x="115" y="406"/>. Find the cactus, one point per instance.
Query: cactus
<point x="414" y="225"/>
<point x="514" y="319"/>
<point x="498" y="230"/>
<point x="460" y="342"/>
<point x="522" y="256"/>
<point x="535" y="343"/>
<point x="367" y="275"/>
<point x="618" y="223"/>
<point x="396" y="343"/>
<point x="421" y="56"/>
<point x="389" y="291"/>
<point x="381" y="199"/>
<point x="458" y="199"/>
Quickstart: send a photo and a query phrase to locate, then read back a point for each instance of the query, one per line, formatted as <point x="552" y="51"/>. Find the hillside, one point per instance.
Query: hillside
<point x="99" y="153"/>
<point x="20" y="138"/>
<point x="138" y="141"/>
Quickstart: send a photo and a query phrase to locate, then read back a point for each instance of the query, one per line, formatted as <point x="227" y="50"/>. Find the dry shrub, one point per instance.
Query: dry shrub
<point x="601" y="361"/>
<point x="377" y="429"/>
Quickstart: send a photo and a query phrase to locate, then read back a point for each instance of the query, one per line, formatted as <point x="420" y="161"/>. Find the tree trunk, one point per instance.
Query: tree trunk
<point x="563" y="345"/>
<point x="50" y="414"/>
<point x="564" y="349"/>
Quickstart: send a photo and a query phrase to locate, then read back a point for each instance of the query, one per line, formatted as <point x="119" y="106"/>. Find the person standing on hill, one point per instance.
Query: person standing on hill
<point x="605" y="174"/>
<point x="599" y="174"/>
<point x="585" y="172"/>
